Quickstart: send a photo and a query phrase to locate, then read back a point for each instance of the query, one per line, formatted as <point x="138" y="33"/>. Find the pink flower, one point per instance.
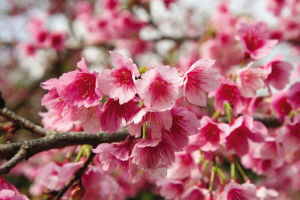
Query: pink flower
<point x="53" y="177"/>
<point x="87" y="118"/>
<point x="27" y="49"/>
<point x="114" y="115"/>
<point x="211" y="135"/>
<point x="264" y="158"/>
<point x="278" y="73"/>
<point x="114" y="156"/>
<point x="193" y="193"/>
<point x="224" y="51"/>
<point x="242" y="130"/>
<point x="256" y="39"/>
<point x="276" y="6"/>
<point x="182" y="167"/>
<point x="280" y="105"/>
<point x="250" y="79"/>
<point x="294" y="95"/>
<point x="41" y="36"/>
<point x="170" y="189"/>
<point x="184" y="124"/>
<point x="119" y="83"/>
<point x="57" y="40"/>
<point x="152" y="154"/>
<point x="54" y="120"/>
<point x="235" y="191"/>
<point x="9" y="192"/>
<point x="198" y="80"/>
<point x="78" y="88"/>
<point x="156" y="121"/>
<point x="159" y="88"/>
<point x="229" y="92"/>
<point x="289" y="136"/>
<point x="99" y="185"/>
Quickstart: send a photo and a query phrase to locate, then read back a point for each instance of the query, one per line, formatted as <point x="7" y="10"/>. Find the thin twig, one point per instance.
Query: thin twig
<point x="18" y="157"/>
<point x="24" y="123"/>
<point x="77" y="176"/>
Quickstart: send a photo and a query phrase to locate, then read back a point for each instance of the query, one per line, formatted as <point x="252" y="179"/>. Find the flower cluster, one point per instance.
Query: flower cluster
<point x="214" y="118"/>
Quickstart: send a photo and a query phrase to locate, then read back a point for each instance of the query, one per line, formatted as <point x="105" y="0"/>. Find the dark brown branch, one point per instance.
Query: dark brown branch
<point x="22" y="122"/>
<point x="18" y="157"/>
<point x="59" y="140"/>
<point x="77" y="176"/>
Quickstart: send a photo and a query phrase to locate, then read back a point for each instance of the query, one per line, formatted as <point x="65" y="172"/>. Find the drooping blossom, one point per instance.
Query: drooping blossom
<point x="280" y="105"/>
<point x="194" y="193"/>
<point x="289" y="136"/>
<point x="182" y="167"/>
<point x="278" y="73"/>
<point x="113" y="115"/>
<point x="156" y="121"/>
<point x="211" y="135"/>
<point x="87" y="118"/>
<point x="250" y="79"/>
<point x="99" y="185"/>
<point x="293" y="95"/>
<point x="235" y="191"/>
<point x="198" y="80"/>
<point x="152" y="154"/>
<point x="184" y="124"/>
<point x="170" y="189"/>
<point x="229" y="92"/>
<point x="242" y="130"/>
<point x="119" y="83"/>
<point x="159" y="88"/>
<point x="264" y="158"/>
<point x="78" y="87"/>
<point x="256" y="39"/>
<point x="9" y="192"/>
<point x="114" y="156"/>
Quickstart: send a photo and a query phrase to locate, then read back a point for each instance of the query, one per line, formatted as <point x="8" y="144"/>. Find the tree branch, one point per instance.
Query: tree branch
<point x="58" y="140"/>
<point x="76" y="177"/>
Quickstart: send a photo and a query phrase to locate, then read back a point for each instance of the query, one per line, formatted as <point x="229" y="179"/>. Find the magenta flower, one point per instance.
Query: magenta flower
<point x="87" y="118"/>
<point x="159" y="88"/>
<point x="198" y="80"/>
<point x="250" y="79"/>
<point x="182" y="167"/>
<point x="235" y="191"/>
<point x="100" y="185"/>
<point x="229" y="92"/>
<point x="281" y="105"/>
<point x="9" y="192"/>
<point x="114" y="115"/>
<point x="156" y="121"/>
<point x="119" y="83"/>
<point x="211" y="135"/>
<point x="170" y="189"/>
<point x="152" y="154"/>
<point x="57" y="40"/>
<point x="294" y="95"/>
<point x="78" y="87"/>
<point x="256" y="39"/>
<point x="114" y="156"/>
<point x="184" y="124"/>
<point x="193" y="193"/>
<point x="242" y="130"/>
<point x="278" y="73"/>
<point x="289" y="136"/>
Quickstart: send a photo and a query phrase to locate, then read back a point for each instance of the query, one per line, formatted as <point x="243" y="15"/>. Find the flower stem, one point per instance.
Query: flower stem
<point x="212" y="178"/>
<point x="228" y="111"/>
